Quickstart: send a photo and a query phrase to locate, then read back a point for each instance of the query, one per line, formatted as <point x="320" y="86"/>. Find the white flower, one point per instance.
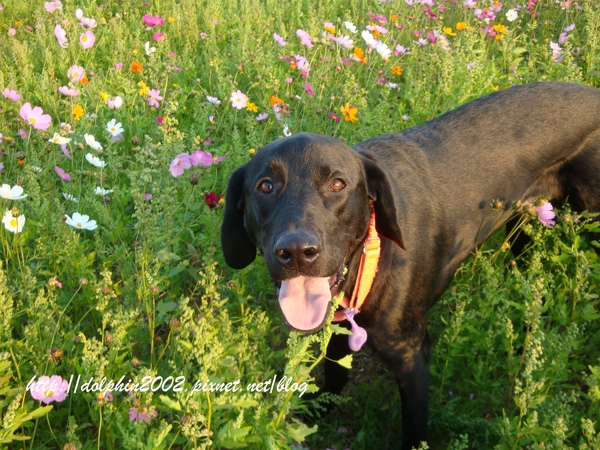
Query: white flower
<point x="70" y="197"/>
<point x="94" y="160"/>
<point x="92" y="142"/>
<point x="14" y="193"/>
<point x="117" y="102"/>
<point x="58" y="139"/>
<point x="114" y="128"/>
<point x="286" y="131"/>
<point x="101" y="191"/>
<point x="149" y="50"/>
<point x="238" y="99"/>
<point x="512" y="15"/>
<point x="350" y="27"/>
<point x="369" y="39"/>
<point x="383" y="50"/>
<point x="81" y="222"/>
<point x="12" y="223"/>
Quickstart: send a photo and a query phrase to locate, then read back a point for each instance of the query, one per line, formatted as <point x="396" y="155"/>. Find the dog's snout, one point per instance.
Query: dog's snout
<point x="295" y="251"/>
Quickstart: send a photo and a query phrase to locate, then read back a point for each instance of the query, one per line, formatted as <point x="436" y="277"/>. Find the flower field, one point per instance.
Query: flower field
<point x="120" y="324"/>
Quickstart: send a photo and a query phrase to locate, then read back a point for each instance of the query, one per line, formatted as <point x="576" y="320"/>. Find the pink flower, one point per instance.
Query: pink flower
<point x="61" y="36"/>
<point x="153" y="21"/>
<point x="141" y="414"/>
<point x="158" y="37"/>
<point x="546" y="215"/>
<point x="113" y="103"/>
<point x="76" y="73"/>
<point x="179" y="164"/>
<point x="53" y="6"/>
<point x="262" y="116"/>
<point x="204" y="159"/>
<point x="334" y="117"/>
<point x="12" y="32"/>
<point x="118" y="66"/>
<point x="62" y="174"/>
<point x="304" y="38"/>
<point x="49" y="389"/>
<point x="154" y="97"/>
<point x="309" y="89"/>
<point x="69" y="92"/>
<point x="11" y="94"/>
<point x="35" y="117"/>
<point x="213" y="100"/>
<point x="87" y="39"/>
<point x="279" y="39"/>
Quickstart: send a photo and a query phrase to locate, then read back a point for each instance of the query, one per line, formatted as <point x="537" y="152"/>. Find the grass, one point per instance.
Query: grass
<point x="145" y="294"/>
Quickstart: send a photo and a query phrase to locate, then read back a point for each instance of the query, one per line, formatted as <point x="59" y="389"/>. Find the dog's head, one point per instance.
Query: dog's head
<point x="304" y="203"/>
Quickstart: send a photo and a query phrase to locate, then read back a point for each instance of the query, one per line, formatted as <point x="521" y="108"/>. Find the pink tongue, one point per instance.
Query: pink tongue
<point x="304" y="301"/>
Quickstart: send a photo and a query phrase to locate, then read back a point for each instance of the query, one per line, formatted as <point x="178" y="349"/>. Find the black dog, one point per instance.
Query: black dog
<point x="305" y="202"/>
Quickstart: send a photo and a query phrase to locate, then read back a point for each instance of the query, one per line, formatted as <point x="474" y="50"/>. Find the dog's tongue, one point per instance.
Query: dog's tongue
<point x="304" y="301"/>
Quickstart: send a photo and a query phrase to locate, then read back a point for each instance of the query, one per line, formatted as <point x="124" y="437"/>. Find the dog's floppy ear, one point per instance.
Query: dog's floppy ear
<point x="380" y="192"/>
<point x="238" y="249"/>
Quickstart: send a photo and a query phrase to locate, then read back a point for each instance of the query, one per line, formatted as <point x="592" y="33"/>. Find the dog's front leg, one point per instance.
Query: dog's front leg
<point x="410" y="364"/>
<point x="336" y="376"/>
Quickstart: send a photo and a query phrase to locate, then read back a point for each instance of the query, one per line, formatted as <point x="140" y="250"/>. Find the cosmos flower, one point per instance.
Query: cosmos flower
<point x="76" y="73"/>
<point x="87" y="39"/>
<point x="49" y="389"/>
<point x="95" y="161"/>
<point x="154" y="97"/>
<point x="349" y="113"/>
<point x="545" y="214"/>
<point x="61" y="36"/>
<point x="238" y="100"/>
<point x="62" y="174"/>
<point x="114" y="128"/>
<point x="179" y="164"/>
<point x="69" y="92"/>
<point x="11" y="94"/>
<point x="13" y="223"/>
<point x="81" y="222"/>
<point x="279" y="39"/>
<point x="35" y="117"/>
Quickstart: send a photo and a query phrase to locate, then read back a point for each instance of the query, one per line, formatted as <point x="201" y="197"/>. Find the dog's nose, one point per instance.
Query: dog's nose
<point x="295" y="251"/>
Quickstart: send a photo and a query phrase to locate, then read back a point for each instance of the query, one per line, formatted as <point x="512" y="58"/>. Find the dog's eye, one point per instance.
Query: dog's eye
<point x="266" y="187"/>
<point x="336" y="185"/>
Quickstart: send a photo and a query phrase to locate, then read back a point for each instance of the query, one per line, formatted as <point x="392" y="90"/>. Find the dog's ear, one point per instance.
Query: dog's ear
<point x="238" y="249"/>
<point x="381" y="194"/>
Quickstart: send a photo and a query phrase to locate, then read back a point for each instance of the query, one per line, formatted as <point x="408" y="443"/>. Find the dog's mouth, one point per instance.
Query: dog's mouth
<point x="305" y="300"/>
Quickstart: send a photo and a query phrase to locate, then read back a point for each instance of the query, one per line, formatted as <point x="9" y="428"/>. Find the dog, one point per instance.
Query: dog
<point x="305" y="202"/>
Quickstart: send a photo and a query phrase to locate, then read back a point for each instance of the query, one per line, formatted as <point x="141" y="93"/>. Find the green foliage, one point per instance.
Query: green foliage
<point x="146" y="297"/>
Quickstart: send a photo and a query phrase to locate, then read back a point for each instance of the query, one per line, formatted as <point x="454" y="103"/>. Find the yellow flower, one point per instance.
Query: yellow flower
<point x="104" y="96"/>
<point x="349" y="113"/>
<point x="331" y="29"/>
<point x="397" y="70"/>
<point x="461" y="26"/>
<point x="171" y="19"/>
<point x="251" y="107"/>
<point x="499" y="28"/>
<point x="251" y="152"/>
<point x="448" y="31"/>
<point x="144" y="89"/>
<point x="77" y="111"/>
<point x="359" y="54"/>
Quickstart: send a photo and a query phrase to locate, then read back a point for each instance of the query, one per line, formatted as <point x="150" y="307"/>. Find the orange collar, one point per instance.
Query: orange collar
<point x="366" y="271"/>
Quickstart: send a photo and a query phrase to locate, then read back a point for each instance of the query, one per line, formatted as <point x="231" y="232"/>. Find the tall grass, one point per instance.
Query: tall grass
<point x="147" y="294"/>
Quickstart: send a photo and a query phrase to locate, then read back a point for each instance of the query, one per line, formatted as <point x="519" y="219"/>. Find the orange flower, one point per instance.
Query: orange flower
<point x="84" y="80"/>
<point x="349" y="113"/>
<point x="375" y="32"/>
<point x="397" y="70"/>
<point x="136" y="67"/>
<point x="461" y="26"/>
<point x="275" y="100"/>
<point x="359" y="55"/>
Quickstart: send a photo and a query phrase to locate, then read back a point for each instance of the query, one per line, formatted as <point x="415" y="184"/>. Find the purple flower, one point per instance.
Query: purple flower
<point x="141" y="414"/>
<point x="62" y="174"/>
<point x="545" y="214"/>
<point x="64" y="149"/>
<point x="304" y="38"/>
<point x="179" y="164"/>
<point x="262" y="116"/>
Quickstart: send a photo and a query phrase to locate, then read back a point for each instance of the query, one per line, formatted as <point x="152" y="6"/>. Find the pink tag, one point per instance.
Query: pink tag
<point x="359" y="334"/>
